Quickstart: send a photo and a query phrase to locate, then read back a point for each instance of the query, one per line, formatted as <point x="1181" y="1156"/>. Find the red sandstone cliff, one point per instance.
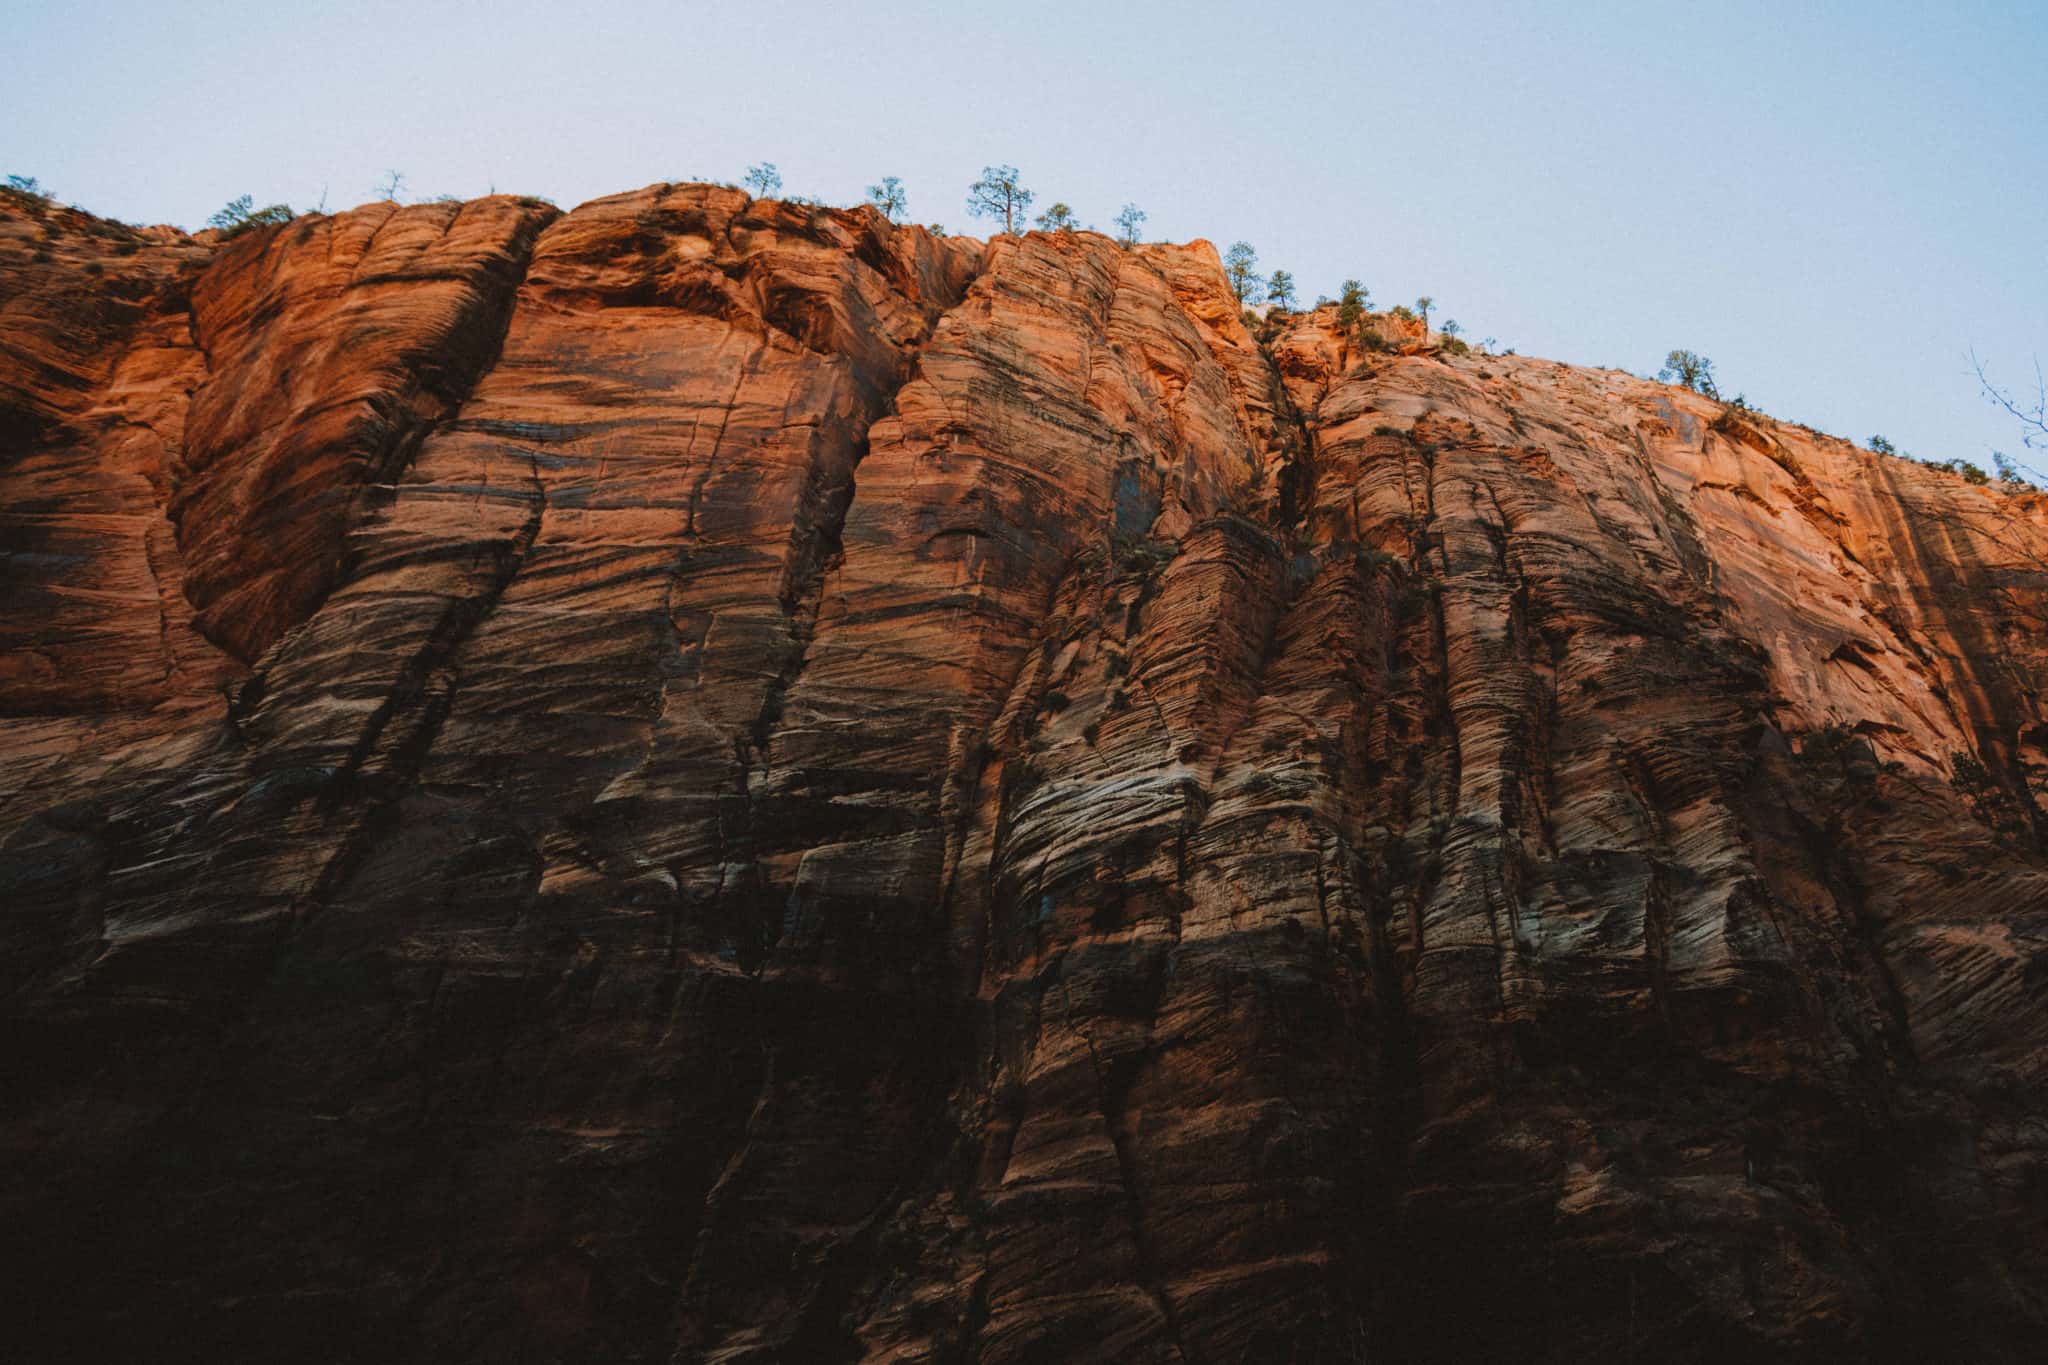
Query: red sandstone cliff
<point x="706" y="779"/>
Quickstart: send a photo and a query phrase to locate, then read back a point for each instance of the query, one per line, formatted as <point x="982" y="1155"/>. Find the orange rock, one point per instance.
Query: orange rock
<point x="705" y="778"/>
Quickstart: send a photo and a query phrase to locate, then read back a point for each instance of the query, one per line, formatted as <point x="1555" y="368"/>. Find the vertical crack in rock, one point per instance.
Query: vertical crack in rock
<point x="814" y="548"/>
<point x="1949" y="584"/>
<point x="1114" y="1089"/>
<point x="423" y="695"/>
<point x="324" y="376"/>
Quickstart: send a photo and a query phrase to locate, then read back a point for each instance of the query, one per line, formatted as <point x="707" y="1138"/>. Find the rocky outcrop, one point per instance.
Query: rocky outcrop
<point x="331" y="349"/>
<point x="710" y="779"/>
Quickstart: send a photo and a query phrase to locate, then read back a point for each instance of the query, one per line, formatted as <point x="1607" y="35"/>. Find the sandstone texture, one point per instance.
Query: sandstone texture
<point x="702" y="779"/>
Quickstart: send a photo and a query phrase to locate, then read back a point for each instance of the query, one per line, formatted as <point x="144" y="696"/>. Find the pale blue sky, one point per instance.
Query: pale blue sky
<point x="1833" y="200"/>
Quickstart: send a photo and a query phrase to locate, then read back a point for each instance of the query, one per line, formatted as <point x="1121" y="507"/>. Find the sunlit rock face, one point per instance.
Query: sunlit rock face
<point x="703" y="779"/>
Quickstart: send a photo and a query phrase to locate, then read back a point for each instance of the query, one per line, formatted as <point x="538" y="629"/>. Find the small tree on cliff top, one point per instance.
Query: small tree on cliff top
<point x="241" y="214"/>
<point x="889" y="197"/>
<point x="1058" y="218"/>
<point x="1280" y="289"/>
<point x="2013" y="474"/>
<point x="1128" y="220"/>
<point x="762" y="180"/>
<point x="1240" y="267"/>
<point x="1691" y="370"/>
<point x="999" y="194"/>
<point x="1352" y="301"/>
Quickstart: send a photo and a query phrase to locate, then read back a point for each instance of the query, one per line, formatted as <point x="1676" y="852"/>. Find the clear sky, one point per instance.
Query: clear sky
<point x="1834" y="200"/>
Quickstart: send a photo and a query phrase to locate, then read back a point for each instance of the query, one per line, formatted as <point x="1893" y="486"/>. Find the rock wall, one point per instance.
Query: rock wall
<point x="708" y="779"/>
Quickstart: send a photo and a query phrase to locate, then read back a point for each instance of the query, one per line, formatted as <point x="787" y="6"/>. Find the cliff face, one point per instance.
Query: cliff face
<point x="705" y="779"/>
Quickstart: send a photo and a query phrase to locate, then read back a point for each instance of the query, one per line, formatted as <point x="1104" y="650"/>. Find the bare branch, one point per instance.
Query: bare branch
<point x="2033" y="421"/>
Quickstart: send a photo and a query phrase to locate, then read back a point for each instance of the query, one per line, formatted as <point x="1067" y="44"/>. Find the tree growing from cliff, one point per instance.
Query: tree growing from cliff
<point x="1422" y="307"/>
<point x="1128" y="220"/>
<point x="762" y="180"/>
<point x="999" y="194"/>
<point x="2013" y="474"/>
<point x="1058" y="218"/>
<point x="1882" y="446"/>
<point x="1352" y="301"/>
<point x="889" y="197"/>
<point x="1280" y="289"/>
<point x="390" y="187"/>
<point x="1690" y="370"/>
<point x="240" y="214"/>
<point x="1240" y="267"/>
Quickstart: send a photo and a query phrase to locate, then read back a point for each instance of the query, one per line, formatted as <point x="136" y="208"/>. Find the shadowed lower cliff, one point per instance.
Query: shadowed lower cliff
<point x="704" y="779"/>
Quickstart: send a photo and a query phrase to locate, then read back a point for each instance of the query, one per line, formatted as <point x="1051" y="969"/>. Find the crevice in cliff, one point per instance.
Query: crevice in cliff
<point x="815" y="549"/>
<point x="1113" y="1087"/>
<point x="1825" y="847"/>
<point x="827" y="1288"/>
<point x="1656" y="910"/>
<point x="1295" y="481"/>
<point x="426" y="686"/>
<point x="247" y="607"/>
<point x="692" y="1327"/>
<point x="1437" y="681"/>
<point x="1996" y="707"/>
<point x="159" y="589"/>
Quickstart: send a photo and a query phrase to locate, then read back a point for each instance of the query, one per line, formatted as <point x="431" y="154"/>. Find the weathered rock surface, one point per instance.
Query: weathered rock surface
<point x="703" y="779"/>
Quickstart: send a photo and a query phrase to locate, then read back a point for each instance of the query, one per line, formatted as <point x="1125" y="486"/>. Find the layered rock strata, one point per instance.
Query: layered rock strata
<point x="705" y="779"/>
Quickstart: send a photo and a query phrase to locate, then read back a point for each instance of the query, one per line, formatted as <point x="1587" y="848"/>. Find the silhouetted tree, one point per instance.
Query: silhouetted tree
<point x="1280" y="289"/>
<point x="233" y="213"/>
<point x="1128" y="220"/>
<point x="1058" y="218"/>
<point x="999" y="194"/>
<point x="2032" y="414"/>
<point x="241" y="214"/>
<point x="1881" y="445"/>
<point x="1422" y="306"/>
<point x="1240" y="267"/>
<point x="763" y="180"/>
<point x="390" y="187"/>
<point x="1692" y="370"/>
<point x="889" y="197"/>
<point x="2011" y="472"/>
